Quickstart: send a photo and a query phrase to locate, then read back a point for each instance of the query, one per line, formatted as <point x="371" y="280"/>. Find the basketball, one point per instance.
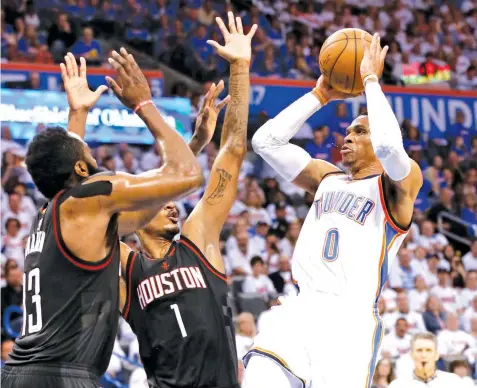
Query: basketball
<point x="340" y="59"/>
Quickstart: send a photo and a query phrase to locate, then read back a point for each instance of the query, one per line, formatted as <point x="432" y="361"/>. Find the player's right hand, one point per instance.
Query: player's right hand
<point x="237" y="45"/>
<point x="373" y="57"/>
<point x="207" y="117"/>
<point x="329" y="94"/>
<point x="80" y="97"/>
<point x="131" y="87"/>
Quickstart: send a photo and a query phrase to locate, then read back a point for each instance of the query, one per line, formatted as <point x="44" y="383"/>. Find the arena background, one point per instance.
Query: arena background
<point x="431" y="82"/>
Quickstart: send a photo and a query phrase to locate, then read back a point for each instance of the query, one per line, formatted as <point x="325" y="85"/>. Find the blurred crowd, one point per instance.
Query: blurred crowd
<point x="426" y="35"/>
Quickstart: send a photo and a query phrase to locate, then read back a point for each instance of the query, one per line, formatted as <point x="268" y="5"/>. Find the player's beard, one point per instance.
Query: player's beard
<point x="170" y="231"/>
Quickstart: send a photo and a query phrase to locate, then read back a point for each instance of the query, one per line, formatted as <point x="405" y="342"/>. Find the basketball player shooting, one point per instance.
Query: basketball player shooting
<point x="347" y="243"/>
<point x="71" y="282"/>
<point x="175" y="296"/>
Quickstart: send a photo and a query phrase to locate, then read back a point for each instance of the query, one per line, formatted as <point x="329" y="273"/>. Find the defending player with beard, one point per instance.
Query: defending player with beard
<point x="71" y="284"/>
<point x="346" y="245"/>
<point x="175" y="296"/>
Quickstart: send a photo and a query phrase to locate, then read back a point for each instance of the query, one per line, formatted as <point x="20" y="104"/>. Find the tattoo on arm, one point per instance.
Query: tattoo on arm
<point x="234" y="130"/>
<point x="218" y="193"/>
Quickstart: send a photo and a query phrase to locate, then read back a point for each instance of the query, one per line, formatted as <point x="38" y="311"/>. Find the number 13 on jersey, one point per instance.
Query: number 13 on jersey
<point x="331" y="245"/>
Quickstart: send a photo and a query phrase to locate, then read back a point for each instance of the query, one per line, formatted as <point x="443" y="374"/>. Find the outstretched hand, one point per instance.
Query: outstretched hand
<point x="78" y="93"/>
<point x="373" y="58"/>
<point x="131" y="87"/>
<point x="208" y="113"/>
<point x="237" y="45"/>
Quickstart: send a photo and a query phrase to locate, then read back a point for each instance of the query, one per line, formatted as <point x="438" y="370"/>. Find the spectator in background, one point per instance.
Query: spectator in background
<point x="398" y="342"/>
<point x="206" y="14"/>
<point x="469" y="314"/>
<point x="254" y="204"/>
<point x="15" y="211"/>
<point x="12" y="293"/>
<point x="282" y="279"/>
<point x="12" y="241"/>
<point x="26" y="203"/>
<point x="31" y="18"/>
<point x="453" y="342"/>
<point x="88" y="47"/>
<point x="287" y="244"/>
<point x="384" y="374"/>
<point x="470" y="291"/>
<point x="462" y="369"/>
<point x="418" y="296"/>
<point x="446" y="294"/>
<point x="403" y="272"/>
<point x="272" y="252"/>
<point x="31" y="45"/>
<point x="468" y="81"/>
<point x="318" y="148"/>
<point x="258" y="282"/>
<point x="245" y="332"/>
<point x="61" y="36"/>
<point x="414" y="321"/>
<point x="434" y="317"/>
<point x="239" y="258"/>
<point x="470" y="258"/>
<point x="431" y="241"/>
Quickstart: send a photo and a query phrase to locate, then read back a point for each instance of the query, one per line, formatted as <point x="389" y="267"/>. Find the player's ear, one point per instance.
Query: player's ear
<point x="81" y="169"/>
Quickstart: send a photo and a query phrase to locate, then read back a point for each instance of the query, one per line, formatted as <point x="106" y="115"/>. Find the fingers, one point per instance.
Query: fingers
<point x="382" y="56"/>
<point x="83" y="68"/>
<point x="252" y="31"/>
<point x="214" y="44"/>
<point x="378" y="46"/>
<point x="74" y="65"/>
<point x="222" y="27"/>
<point x="216" y="93"/>
<point x="112" y="83"/>
<point x="129" y="58"/>
<point x="365" y="44"/>
<point x="238" y="22"/>
<point x="372" y="49"/>
<point x="69" y="66"/>
<point x="64" y="75"/>
<point x="209" y="96"/>
<point x="101" y="89"/>
<point x="205" y="115"/>
<point x="222" y="103"/>
<point x="232" y="28"/>
<point x="122" y="59"/>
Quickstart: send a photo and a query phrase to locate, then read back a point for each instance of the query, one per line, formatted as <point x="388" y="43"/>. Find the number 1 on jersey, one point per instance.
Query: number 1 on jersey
<point x="175" y="307"/>
<point x="331" y="246"/>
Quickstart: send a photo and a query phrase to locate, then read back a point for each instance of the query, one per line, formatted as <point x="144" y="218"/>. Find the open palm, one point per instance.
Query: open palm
<point x="79" y="95"/>
<point x="237" y="45"/>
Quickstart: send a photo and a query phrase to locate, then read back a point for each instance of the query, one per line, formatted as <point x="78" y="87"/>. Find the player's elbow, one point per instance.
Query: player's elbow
<point x="237" y="150"/>
<point x="262" y="139"/>
<point x="188" y="172"/>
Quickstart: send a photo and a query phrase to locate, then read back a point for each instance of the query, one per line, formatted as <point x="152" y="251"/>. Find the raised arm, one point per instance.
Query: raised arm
<point x="402" y="175"/>
<point x="272" y="140"/>
<point x="205" y="124"/>
<point x="180" y="173"/>
<point x="207" y="219"/>
<point x="80" y="98"/>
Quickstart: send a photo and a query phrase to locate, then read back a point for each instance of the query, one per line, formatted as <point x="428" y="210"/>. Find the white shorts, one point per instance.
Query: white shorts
<point x="322" y="341"/>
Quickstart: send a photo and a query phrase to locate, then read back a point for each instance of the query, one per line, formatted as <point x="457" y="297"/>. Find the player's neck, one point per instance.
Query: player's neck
<point x="373" y="169"/>
<point x="155" y="246"/>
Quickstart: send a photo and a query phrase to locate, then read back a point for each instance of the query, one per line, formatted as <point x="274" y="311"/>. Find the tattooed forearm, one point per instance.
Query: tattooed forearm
<point x="218" y="193"/>
<point x="234" y="130"/>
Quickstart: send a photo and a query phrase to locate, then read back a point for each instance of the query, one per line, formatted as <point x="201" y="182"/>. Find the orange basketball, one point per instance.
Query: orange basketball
<point x="340" y="58"/>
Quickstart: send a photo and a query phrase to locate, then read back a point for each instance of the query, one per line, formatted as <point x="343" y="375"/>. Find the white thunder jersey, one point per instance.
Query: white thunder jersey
<point x="348" y="241"/>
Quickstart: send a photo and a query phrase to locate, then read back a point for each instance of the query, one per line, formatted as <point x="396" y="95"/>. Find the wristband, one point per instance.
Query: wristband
<point x="321" y="98"/>
<point x="141" y="104"/>
<point x="369" y="76"/>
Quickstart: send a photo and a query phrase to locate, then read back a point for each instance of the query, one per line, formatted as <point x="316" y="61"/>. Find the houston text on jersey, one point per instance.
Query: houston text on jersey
<point x="167" y="283"/>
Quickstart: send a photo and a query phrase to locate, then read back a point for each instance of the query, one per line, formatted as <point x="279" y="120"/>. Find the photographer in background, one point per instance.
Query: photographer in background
<point x="424" y="354"/>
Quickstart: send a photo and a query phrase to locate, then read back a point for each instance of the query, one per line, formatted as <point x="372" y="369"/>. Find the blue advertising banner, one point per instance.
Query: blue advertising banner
<point x="28" y="112"/>
<point x="432" y="111"/>
<point x="15" y="74"/>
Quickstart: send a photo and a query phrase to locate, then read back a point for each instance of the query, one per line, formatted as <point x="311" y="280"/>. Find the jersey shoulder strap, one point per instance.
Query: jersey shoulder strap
<point x="133" y="269"/>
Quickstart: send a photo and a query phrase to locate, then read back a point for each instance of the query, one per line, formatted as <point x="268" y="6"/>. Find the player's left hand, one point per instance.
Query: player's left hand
<point x="208" y="113"/>
<point x="373" y="57"/>
<point x="79" y="95"/>
<point x="237" y="45"/>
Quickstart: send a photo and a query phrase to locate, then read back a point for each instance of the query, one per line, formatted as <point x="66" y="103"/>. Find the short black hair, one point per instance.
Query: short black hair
<point x="255" y="260"/>
<point x="51" y="158"/>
